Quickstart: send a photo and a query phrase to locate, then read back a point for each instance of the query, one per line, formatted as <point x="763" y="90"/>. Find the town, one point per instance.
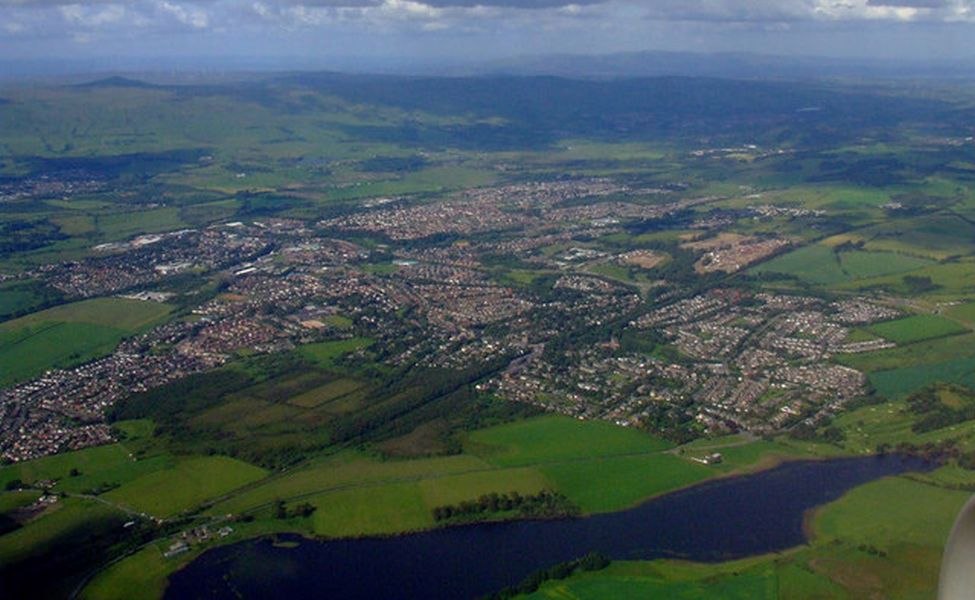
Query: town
<point x="737" y="360"/>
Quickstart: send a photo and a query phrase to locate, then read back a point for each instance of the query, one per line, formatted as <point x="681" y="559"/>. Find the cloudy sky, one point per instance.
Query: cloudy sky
<point x="459" y="30"/>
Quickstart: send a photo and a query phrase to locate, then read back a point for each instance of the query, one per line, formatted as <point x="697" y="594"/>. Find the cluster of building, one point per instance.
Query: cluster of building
<point x="65" y="409"/>
<point x="730" y="252"/>
<point x="752" y="362"/>
<point x="50" y="186"/>
<point x="193" y="537"/>
<point x="772" y="211"/>
<point x="730" y="359"/>
<point x="522" y="207"/>
<point x="149" y="259"/>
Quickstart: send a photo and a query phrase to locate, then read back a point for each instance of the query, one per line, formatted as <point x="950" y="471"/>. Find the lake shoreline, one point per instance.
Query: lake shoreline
<point x="588" y="529"/>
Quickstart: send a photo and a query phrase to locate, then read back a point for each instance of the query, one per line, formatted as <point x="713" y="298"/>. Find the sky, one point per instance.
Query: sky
<point x="342" y="32"/>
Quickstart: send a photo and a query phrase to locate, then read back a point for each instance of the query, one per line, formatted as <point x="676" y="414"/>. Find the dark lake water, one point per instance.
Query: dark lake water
<point x="715" y="521"/>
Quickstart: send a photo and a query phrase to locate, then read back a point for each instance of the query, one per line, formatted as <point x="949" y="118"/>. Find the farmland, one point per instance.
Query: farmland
<point x="356" y="494"/>
<point x="185" y="485"/>
<point x="70" y="334"/>
<point x="917" y="328"/>
<point x="557" y="438"/>
<point x="822" y="265"/>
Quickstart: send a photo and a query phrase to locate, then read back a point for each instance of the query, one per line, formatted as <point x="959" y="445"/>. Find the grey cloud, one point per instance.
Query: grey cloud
<point x="910" y="3"/>
<point x="520" y="4"/>
<point x="524" y="4"/>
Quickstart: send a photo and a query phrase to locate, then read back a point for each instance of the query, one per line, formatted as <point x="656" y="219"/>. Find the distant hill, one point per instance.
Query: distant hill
<point x="122" y="82"/>
<point x="722" y="65"/>
<point x="541" y="108"/>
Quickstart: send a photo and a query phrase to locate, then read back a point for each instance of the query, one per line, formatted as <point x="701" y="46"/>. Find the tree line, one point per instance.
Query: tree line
<point x="546" y="503"/>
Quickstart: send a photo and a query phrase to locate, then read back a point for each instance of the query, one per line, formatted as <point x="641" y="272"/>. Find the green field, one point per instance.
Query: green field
<point x="346" y="470"/>
<point x="548" y="439"/>
<point x="326" y="353"/>
<point x="927" y="352"/>
<point x="111" y="464"/>
<point x="16" y="499"/>
<point x="822" y="265"/>
<point x="121" y="225"/>
<point x="120" y="313"/>
<point x="140" y="576"/>
<point x="625" y="580"/>
<point x="17" y="297"/>
<point x="599" y="466"/>
<point x="70" y="334"/>
<point x="953" y="279"/>
<point x="370" y="511"/>
<point x="326" y="393"/>
<point x="862" y="265"/>
<point x="890" y="423"/>
<point x="965" y="312"/>
<point x="70" y="521"/>
<point x="30" y="351"/>
<point x="603" y="485"/>
<point x="885" y="512"/>
<point x="184" y="486"/>
<point x="937" y="236"/>
<point x="917" y="328"/>
<point x="899" y="383"/>
<point x="815" y="264"/>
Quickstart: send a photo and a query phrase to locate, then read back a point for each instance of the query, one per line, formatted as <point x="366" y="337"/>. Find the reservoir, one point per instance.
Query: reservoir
<point x="718" y="520"/>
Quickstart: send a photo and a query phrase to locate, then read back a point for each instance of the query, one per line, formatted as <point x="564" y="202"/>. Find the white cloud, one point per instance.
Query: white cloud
<point x="186" y="14"/>
<point x="77" y="14"/>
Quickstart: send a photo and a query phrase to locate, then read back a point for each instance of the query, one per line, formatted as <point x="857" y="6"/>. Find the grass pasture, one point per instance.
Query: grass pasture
<point x="112" y="463"/>
<point x="121" y="225"/>
<point x="885" y="512"/>
<point x="965" y="312"/>
<point x="815" y="264"/>
<point x="184" y="486"/>
<point x="370" y="511"/>
<point x="742" y="580"/>
<point x="820" y="264"/>
<point x="936" y="236"/>
<point x="603" y="485"/>
<point x="327" y="393"/>
<point x="70" y="522"/>
<point x="890" y="423"/>
<point x="16" y="499"/>
<point x="953" y="279"/>
<point x="17" y="297"/>
<point x="140" y="576"/>
<point x="926" y="352"/>
<point x="552" y="438"/>
<point x="916" y="328"/>
<point x="70" y="334"/>
<point x="862" y="265"/>
<point x="326" y="353"/>
<point x="900" y="383"/>
<point x="30" y="351"/>
<point x="285" y="387"/>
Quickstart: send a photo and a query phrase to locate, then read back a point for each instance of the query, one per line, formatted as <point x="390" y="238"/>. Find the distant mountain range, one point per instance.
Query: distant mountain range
<point x="727" y="65"/>
<point x="605" y="66"/>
